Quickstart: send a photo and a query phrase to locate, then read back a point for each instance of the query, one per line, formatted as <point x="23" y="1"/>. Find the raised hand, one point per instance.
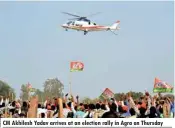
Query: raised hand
<point x="129" y="94"/>
<point x="66" y="95"/>
<point x="77" y="97"/>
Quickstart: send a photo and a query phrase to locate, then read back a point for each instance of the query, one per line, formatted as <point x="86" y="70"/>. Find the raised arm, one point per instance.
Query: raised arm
<point x="77" y="98"/>
<point x="65" y="98"/>
<point x="149" y="105"/>
<point x="116" y="104"/>
<point x="131" y="102"/>
<point x="72" y="105"/>
<point x="45" y="104"/>
<point x="166" y="110"/>
<point x="60" y="113"/>
<point x="107" y="106"/>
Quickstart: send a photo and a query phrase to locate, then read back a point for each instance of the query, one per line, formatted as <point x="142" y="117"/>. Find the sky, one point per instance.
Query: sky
<point x="34" y="47"/>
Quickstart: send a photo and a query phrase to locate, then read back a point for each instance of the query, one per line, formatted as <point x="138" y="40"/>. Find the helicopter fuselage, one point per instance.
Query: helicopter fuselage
<point x="79" y="25"/>
<point x="89" y="26"/>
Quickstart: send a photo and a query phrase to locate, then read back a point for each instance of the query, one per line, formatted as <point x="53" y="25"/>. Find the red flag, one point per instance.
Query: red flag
<point x="76" y="66"/>
<point x="161" y="84"/>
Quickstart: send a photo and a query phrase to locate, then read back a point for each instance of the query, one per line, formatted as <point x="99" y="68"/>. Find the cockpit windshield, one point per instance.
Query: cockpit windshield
<point x="69" y="22"/>
<point x="86" y="20"/>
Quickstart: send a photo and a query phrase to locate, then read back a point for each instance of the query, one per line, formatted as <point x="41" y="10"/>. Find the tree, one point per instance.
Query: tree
<point x="122" y="96"/>
<point x="119" y="96"/>
<point x="24" y="93"/>
<point x="53" y="88"/>
<point x="169" y="95"/>
<point x="40" y="94"/>
<point x="136" y="95"/>
<point x="6" y="90"/>
<point x="86" y="100"/>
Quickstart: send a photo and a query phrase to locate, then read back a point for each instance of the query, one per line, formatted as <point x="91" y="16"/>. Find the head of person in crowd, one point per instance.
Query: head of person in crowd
<point x="70" y="115"/>
<point x="109" y="115"/>
<point x="153" y="112"/>
<point x="97" y="106"/>
<point x="144" y="107"/>
<point x="142" y="112"/>
<point x="81" y="105"/>
<point x="103" y="106"/>
<point x="113" y="107"/>
<point x="86" y="107"/>
<point x="91" y="107"/>
<point x="132" y="111"/>
<point x="16" y="114"/>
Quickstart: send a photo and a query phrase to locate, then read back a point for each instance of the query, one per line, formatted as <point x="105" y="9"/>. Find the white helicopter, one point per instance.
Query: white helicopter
<point x="83" y="24"/>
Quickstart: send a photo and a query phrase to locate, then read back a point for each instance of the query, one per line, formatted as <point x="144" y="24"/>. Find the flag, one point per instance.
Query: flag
<point x="107" y="93"/>
<point x="76" y="66"/>
<point x="29" y="85"/>
<point x="161" y="86"/>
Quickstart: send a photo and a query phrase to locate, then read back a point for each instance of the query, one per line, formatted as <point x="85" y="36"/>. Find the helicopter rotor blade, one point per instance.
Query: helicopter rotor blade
<point x="71" y="14"/>
<point x="94" y="14"/>
<point x="78" y="18"/>
<point x="74" y="19"/>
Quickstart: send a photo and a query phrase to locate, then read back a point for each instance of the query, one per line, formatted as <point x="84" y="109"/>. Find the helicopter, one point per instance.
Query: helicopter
<point x="82" y="23"/>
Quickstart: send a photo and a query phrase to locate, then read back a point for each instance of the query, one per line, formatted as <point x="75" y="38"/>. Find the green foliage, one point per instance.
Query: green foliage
<point x="40" y="94"/>
<point x="122" y="96"/>
<point x="6" y="90"/>
<point x="169" y="95"/>
<point x="24" y="92"/>
<point x="117" y="96"/>
<point x="136" y="95"/>
<point x="53" y="88"/>
<point x="87" y="100"/>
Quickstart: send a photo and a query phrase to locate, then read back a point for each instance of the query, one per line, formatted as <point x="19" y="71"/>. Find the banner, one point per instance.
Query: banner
<point x="162" y="87"/>
<point x="76" y="66"/>
<point x="107" y="93"/>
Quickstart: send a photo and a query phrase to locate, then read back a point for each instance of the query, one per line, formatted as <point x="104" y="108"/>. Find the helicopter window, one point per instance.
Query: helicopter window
<point x="86" y="20"/>
<point x="69" y="22"/>
<point x="77" y="24"/>
<point x="94" y="23"/>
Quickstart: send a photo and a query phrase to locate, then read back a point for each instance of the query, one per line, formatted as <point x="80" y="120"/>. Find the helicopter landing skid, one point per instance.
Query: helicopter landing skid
<point x="85" y="32"/>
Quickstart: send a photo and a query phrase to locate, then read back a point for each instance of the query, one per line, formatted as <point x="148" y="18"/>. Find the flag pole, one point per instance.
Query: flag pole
<point x="70" y="83"/>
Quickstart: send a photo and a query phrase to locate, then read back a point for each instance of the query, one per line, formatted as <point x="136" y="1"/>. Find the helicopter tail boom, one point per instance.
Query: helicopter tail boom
<point x="115" y="26"/>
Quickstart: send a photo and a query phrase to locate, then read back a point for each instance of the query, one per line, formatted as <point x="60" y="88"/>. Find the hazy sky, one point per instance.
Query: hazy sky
<point x="33" y="46"/>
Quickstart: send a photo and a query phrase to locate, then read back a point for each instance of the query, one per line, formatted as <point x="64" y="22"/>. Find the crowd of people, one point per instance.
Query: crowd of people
<point x="145" y="107"/>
